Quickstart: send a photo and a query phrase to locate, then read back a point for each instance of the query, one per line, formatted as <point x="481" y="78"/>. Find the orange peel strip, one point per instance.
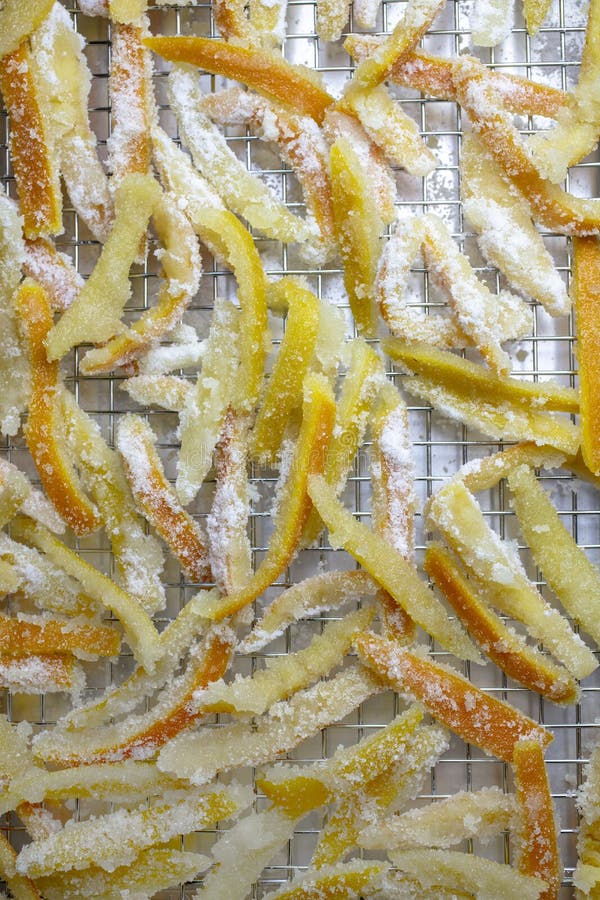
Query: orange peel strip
<point x="203" y="416"/>
<point x="152" y="870"/>
<point x="138" y="556"/>
<point x="300" y="143"/>
<point x="586" y="297"/>
<point x="64" y="81"/>
<point x="18" y="19"/>
<point x="140" y="737"/>
<point x="433" y="75"/>
<point x="39" y="674"/>
<point x="264" y="71"/>
<point x="96" y="313"/>
<point x="233" y="23"/>
<point x="333" y="882"/>
<point x="506" y="234"/>
<point x="117" y="838"/>
<point x="477" y="718"/>
<point x="418" y="16"/>
<point x="180" y="259"/>
<point x="295" y="506"/>
<point x="440" y="870"/>
<point x="458" y="517"/>
<point x="129" y="146"/>
<point x="49" y="637"/>
<point x="389" y="568"/>
<point x="359" y="227"/>
<point x="283" y="394"/>
<point x="54" y="271"/>
<point x="140" y="633"/>
<point x="393" y="501"/>
<point x="175" y="642"/>
<point x="199" y="756"/>
<point x="566" y="568"/>
<point x="465" y="815"/>
<point x="550" y="205"/>
<point x="43" y="432"/>
<point x="157" y="499"/>
<point x="539" y="854"/>
<point x="36" y="172"/>
<point x="327" y="591"/>
<point x="229" y="548"/>
<point x="469" y="378"/>
<point x="504" y="647"/>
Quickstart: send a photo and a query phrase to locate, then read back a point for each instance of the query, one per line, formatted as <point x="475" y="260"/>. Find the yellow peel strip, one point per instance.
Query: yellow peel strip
<point x="138" y="556"/>
<point x="286" y="674"/>
<point x="283" y="395"/>
<point x="448" y="869"/>
<point x="140" y="633"/>
<point x="198" y="757"/>
<point x="458" y="517"/>
<point x="566" y="568"/>
<point x="180" y="260"/>
<point x="117" y="838"/>
<point x="327" y="591"/>
<point x="96" y="313"/>
<point x="295" y="506"/>
<point x="478" y="814"/>
<point x="203" y="415"/>
<point x="397" y="576"/>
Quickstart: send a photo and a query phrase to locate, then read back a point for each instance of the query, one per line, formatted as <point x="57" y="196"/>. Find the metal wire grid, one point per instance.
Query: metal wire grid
<point x="439" y="447"/>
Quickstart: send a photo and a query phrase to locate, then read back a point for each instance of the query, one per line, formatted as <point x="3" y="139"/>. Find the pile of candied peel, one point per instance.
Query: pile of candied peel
<point x="191" y="747"/>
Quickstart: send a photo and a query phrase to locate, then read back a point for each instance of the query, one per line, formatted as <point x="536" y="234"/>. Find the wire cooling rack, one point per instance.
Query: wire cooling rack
<point x="440" y="447"/>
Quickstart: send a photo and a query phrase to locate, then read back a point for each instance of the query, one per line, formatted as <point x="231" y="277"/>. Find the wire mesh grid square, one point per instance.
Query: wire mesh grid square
<point x="440" y="447"/>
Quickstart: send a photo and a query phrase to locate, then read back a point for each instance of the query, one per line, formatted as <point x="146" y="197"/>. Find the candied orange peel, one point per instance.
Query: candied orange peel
<point x="478" y="718"/>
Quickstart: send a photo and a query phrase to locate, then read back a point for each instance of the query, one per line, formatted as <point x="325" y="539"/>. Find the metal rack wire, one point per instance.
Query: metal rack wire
<point x="439" y="447"/>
